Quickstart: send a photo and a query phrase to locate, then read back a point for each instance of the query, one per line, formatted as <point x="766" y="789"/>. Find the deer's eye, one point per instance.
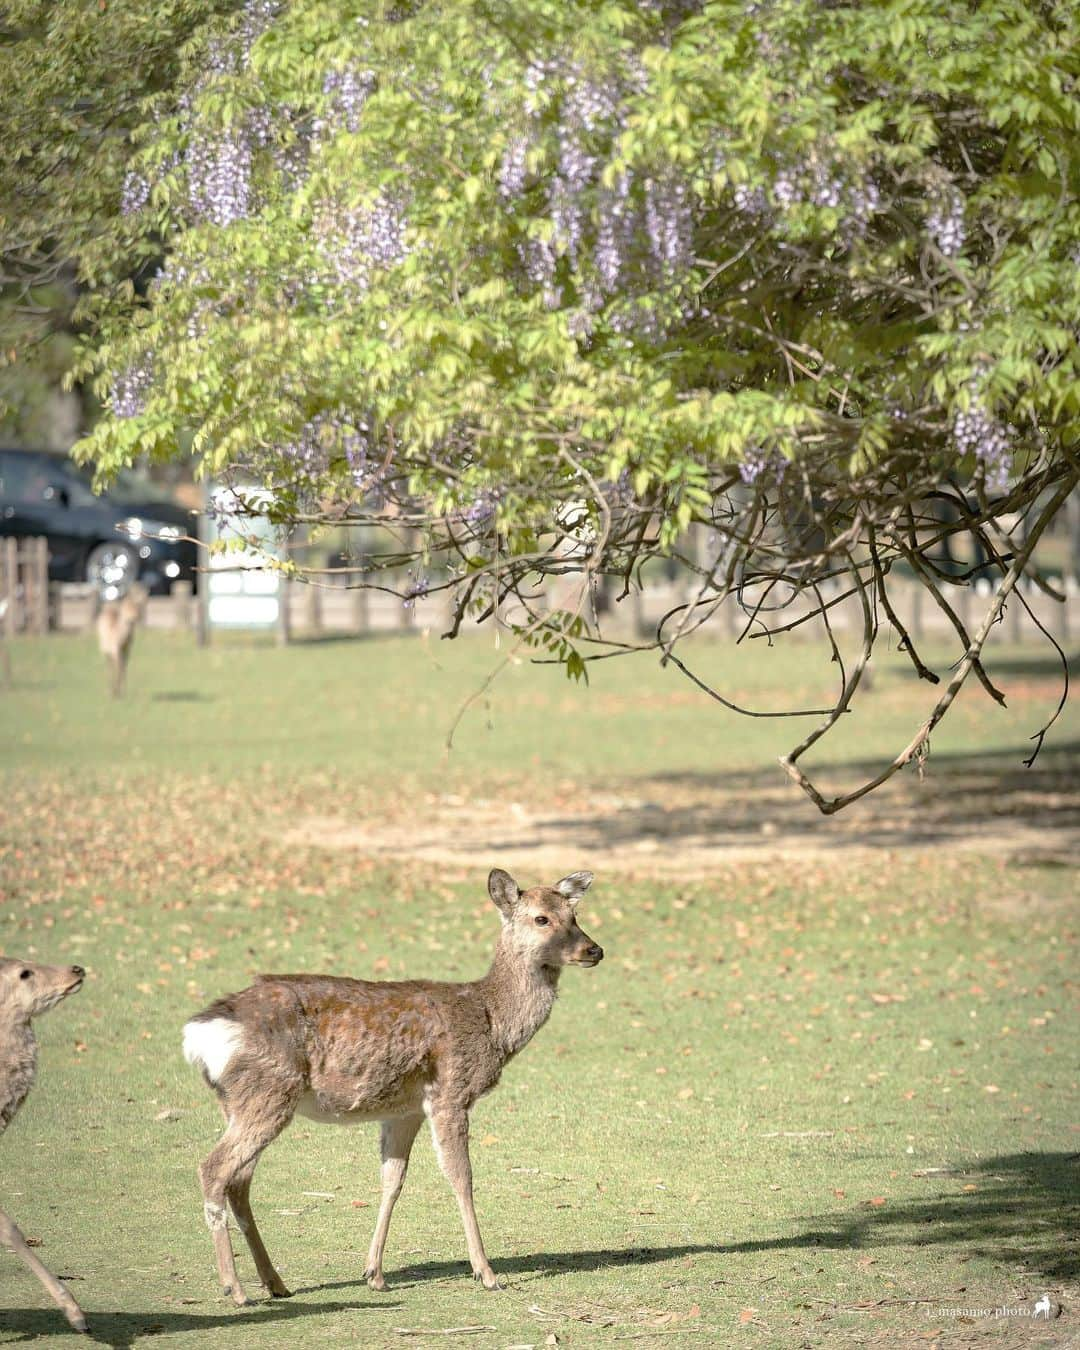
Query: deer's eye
<point x="25" y="974"/>
<point x="542" y="919"/>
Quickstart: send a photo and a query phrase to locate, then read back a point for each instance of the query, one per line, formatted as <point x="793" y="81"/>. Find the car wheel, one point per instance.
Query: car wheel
<point x="111" y="568"/>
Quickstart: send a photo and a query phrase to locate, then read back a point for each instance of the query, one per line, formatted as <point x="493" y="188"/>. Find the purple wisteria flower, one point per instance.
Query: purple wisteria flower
<point x="945" y="225"/>
<point x="131" y="388"/>
<point x="976" y="432"/>
<point x="219" y="175"/>
<point x="347" y="91"/>
<point x="356" y="241"/>
<point x="759" y="464"/>
<point x="134" y="194"/>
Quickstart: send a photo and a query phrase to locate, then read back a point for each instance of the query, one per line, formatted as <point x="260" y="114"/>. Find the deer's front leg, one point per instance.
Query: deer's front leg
<point x="450" y="1131"/>
<point x="11" y="1237"/>
<point x="396" y="1141"/>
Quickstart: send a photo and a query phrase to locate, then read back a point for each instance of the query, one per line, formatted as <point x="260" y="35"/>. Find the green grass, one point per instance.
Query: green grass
<point x="805" y="1100"/>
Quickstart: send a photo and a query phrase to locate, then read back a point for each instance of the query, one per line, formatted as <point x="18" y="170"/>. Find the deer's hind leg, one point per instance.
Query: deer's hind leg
<point x="238" y="1193"/>
<point x="11" y="1237"/>
<point x="226" y="1176"/>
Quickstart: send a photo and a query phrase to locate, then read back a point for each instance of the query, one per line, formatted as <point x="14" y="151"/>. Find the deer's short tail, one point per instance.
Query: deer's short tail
<point x="211" y="1043"/>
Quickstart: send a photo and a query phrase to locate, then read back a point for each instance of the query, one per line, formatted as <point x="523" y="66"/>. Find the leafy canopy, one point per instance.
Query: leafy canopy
<point x="551" y="282"/>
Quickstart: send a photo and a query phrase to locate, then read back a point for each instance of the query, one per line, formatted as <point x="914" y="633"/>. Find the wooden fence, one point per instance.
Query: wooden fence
<point x="30" y="605"/>
<point x="316" y="610"/>
<point x="24" y="586"/>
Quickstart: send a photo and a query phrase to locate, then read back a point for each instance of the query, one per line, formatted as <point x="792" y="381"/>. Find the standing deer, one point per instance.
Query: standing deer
<point x="341" y="1051"/>
<point x="26" y="991"/>
<point x="116" y="626"/>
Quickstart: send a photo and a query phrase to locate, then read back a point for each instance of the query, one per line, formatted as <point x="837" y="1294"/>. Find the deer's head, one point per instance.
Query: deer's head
<point x="541" y="923"/>
<point x="27" y="990"/>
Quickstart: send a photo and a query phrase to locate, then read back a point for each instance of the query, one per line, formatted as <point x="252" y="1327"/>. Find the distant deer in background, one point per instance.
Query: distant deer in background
<point x="116" y="624"/>
<point x="339" y="1051"/>
<point x="26" y="991"/>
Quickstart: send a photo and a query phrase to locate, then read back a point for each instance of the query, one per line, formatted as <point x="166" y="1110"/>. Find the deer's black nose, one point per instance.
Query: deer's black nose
<point x="595" y="953"/>
<point x="78" y="970"/>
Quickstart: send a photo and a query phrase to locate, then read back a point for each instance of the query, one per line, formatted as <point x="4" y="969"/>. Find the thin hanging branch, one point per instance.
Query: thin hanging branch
<point x="829" y="806"/>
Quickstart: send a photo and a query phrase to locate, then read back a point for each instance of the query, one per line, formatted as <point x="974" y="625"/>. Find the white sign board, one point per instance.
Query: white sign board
<point x="242" y="592"/>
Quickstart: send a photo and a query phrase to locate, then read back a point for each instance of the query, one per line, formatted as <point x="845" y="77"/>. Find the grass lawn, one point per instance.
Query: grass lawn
<point x="822" y="1091"/>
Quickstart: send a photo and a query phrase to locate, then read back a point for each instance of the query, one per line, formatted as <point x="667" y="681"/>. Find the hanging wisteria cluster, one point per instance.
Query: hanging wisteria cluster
<point x="822" y="179"/>
<point x="976" y="432"/>
<point x="607" y="241"/>
<point x="131" y="388"/>
<point x="346" y="93"/>
<point x="135" y="193"/>
<point x="759" y="465"/>
<point x="945" y="225"/>
<point x="357" y="240"/>
<point x="329" y="438"/>
<point x="219" y="175"/>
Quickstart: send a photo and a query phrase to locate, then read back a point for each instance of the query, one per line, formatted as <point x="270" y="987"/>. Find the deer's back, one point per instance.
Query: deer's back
<point x="359" y="1049"/>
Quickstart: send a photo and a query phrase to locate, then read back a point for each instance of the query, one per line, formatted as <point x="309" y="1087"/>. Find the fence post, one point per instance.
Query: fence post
<point x="916" y="611"/>
<point x="181" y="598"/>
<point x="637" y="609"/>
<point x="10" y="592"/>
<point x="407" y="612"/>
<point x="39" y="565"/>
<point x="1015" y="612"/>
<point x="200" y="581"/>
<point x="360" y="601"/>
<point x="284" y="618"/>
<point x="312" y="608"/>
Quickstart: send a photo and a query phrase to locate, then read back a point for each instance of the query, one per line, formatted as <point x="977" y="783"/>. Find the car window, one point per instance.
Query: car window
<point x="77" y="484"/>
<point x="23" y="479"/>
<point x="33" y="480"/>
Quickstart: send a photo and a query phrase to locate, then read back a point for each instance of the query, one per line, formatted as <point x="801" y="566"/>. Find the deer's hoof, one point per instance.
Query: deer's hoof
<point x="487" y="1279"/>
<point x="77" y="1320"/>
<point x="279" y="1291"/>
<point x="238" y="1296"/>
<point x="375" y="1280"/>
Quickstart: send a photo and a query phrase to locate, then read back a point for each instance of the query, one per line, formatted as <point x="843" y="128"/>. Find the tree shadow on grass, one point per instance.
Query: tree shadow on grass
<point x="125" y="1329"/>
<point x="1024" y="1213"/>
<point x="961" y="793"/>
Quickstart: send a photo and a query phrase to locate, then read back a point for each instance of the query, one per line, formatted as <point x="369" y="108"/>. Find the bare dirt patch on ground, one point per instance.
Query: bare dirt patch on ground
<point x="687" y="825"/>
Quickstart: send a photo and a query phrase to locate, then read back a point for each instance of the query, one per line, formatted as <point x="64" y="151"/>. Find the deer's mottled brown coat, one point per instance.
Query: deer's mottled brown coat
<point x="340" y="1050"/>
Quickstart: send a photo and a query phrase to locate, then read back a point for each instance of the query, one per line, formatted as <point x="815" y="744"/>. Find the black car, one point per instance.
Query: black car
<point x="109" y="540"/>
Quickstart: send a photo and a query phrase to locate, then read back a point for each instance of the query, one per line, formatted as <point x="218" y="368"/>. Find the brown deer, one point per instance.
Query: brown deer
<point x="26" y="991"/>
<point x="341" y="1051"/>
<point x="116" y="626"/>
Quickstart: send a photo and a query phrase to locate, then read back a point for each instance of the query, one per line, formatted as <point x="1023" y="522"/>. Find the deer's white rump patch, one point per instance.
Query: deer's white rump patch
<point x="211" y="1045"/>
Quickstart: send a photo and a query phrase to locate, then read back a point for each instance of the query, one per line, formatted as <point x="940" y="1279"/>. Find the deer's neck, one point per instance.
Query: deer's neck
<point x="18" y="1062"/>
<point x="519" y="996"/>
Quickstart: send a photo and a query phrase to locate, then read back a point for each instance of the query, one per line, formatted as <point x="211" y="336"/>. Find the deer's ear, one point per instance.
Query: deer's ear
<point x="503" y="889"/>
<point x="574" y="886"/>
